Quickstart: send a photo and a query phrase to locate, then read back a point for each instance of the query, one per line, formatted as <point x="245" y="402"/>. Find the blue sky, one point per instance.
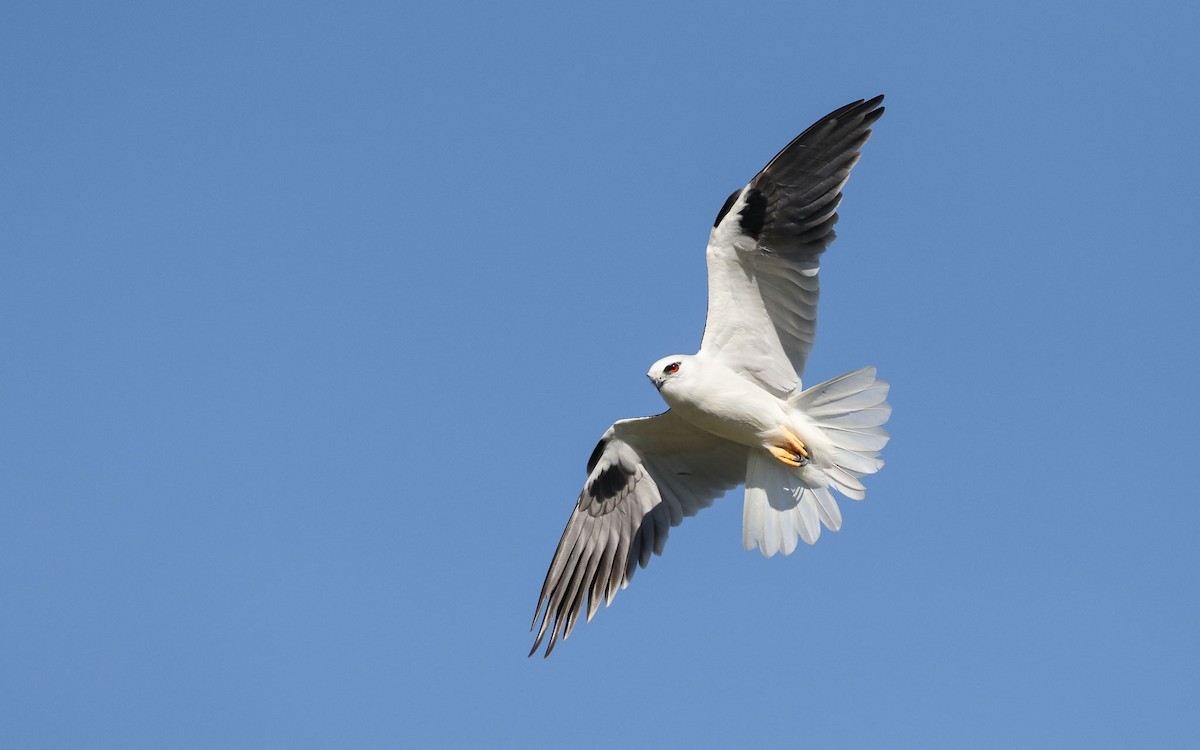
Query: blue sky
<point x="311" y="314"/>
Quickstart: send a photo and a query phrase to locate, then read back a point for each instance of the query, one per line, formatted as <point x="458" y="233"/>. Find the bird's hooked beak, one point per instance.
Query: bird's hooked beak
<point x="657" y="381"/>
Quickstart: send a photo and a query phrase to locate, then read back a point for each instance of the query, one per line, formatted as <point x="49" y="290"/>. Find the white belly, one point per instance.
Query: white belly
<point x="718" y="400"/>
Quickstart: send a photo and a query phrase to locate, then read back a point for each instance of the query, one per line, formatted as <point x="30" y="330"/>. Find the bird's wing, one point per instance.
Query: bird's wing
<point x="764" y="250"/>
<point x="644" y="477"/>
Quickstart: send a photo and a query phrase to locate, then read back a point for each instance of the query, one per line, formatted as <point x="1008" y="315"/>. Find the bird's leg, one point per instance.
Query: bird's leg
<point x="792" y="451"/>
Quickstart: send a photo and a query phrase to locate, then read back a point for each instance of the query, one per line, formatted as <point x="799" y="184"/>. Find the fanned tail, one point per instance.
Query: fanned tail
<point x="784" y="504"/>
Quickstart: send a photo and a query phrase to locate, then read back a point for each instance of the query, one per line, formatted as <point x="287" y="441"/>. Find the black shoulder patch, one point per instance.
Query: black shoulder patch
<point x="596" y="453"/>
<point x="728" y="205"/>
<point x="609" y="482"/>
<point x="755" y="213"/>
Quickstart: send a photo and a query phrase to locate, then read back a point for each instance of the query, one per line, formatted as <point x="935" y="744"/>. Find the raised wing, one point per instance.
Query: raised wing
<point x="764" y="250"/>
<point x="645" y="476"/>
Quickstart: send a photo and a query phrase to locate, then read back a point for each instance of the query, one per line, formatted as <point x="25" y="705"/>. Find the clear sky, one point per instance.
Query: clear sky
<point x="310" y="315"/>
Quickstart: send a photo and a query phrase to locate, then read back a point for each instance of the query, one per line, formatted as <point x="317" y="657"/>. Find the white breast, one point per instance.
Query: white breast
<point x="718" y="400"/>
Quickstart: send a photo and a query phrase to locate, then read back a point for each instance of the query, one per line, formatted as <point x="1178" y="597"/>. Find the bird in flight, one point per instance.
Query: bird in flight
<point x="737" y="413"/>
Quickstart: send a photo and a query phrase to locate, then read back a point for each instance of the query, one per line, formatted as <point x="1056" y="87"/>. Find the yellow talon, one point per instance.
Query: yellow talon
<point x="784" y="455"/>
<point x="795" y="444"/>
<point x="790" y="449"/>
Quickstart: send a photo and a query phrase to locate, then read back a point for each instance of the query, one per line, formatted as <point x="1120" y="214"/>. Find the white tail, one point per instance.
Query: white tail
<point x="784" y="503"/>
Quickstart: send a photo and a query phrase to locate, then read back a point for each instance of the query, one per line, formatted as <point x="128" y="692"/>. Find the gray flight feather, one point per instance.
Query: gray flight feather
<point x="667" y="470"/>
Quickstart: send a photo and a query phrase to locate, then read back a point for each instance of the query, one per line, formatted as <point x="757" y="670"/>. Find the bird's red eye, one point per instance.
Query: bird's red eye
<point x="671" y="369"/>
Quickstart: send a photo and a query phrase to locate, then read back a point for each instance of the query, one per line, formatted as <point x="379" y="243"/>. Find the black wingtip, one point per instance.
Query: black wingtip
<point x="872" y="109"/>
<point x="869" y="109"/>
<point x="868" y="104"/>
<point x="862" y="113"/>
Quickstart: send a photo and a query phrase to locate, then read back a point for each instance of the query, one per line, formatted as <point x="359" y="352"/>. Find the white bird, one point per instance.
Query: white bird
<point x="737" y="412"/>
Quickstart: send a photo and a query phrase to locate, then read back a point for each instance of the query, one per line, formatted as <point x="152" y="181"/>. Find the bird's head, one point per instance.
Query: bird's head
<point x="667" y="369"/>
